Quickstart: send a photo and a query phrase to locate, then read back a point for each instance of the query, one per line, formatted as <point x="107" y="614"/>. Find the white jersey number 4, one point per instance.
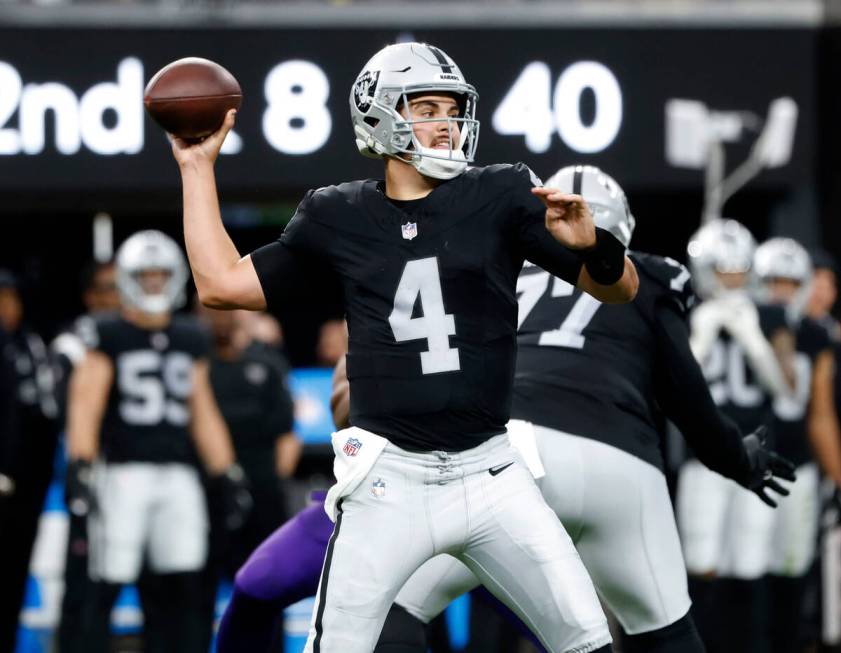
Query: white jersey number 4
<point x="421" y="279"/>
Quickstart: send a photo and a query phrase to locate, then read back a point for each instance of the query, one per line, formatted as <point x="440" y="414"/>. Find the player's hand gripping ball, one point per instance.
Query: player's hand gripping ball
<point x="190" y="97"/>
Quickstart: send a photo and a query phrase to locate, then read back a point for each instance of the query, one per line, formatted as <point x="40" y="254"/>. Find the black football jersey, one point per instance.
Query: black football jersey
<point x="733" y="384"/>
<point x="429" y="297"/>
<point x="254" y="401"/>
<point x="587" y="368"/>
<point x="790" y="413"/>
<point x="147" y="418"/>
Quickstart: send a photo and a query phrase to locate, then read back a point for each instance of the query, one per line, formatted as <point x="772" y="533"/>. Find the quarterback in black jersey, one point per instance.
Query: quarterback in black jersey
<point x="140" y="404"/>
<point x="428" y="260"/>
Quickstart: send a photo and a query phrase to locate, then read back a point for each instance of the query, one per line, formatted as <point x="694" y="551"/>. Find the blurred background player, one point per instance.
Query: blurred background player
<point x="99" y="296"/>
<point x="138" y="403"/>
<point x="30" y="451"/>
<point x="747" y="354"/>
<point x="824" y="292"/>
<point x="250" y="386"/>
<point x="807" y="418"/>
<point x="585" y="368"/>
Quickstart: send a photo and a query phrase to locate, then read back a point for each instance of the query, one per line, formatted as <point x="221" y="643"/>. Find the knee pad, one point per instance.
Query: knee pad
<point x="679" y="637"/>
<point x="401" y="633"/>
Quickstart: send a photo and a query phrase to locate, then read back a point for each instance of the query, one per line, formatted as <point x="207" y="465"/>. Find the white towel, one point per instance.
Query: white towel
<point x="356" y="450"/>
<point x="522" y="438"/>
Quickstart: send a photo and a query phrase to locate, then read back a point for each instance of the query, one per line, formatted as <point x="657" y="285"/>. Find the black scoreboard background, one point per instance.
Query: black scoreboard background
<point x="71" y="117"/>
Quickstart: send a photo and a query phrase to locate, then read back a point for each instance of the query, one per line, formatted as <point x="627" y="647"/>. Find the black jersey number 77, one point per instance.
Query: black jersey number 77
<point x="569" y="332"/>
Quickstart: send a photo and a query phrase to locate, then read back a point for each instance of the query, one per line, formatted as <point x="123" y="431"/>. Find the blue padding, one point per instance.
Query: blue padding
<point x="457" y="615"/>
<point x="311" y="389"/>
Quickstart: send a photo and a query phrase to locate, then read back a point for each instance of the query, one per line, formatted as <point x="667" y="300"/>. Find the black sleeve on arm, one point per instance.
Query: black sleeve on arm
<point x="282" y="272"/>
<point x="535" y="242"/>
<point x="287" y="267"/>
<point x="683" y="394"/>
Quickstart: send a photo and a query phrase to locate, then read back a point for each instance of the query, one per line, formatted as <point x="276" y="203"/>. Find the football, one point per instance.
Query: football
<point x="190" y="97"/>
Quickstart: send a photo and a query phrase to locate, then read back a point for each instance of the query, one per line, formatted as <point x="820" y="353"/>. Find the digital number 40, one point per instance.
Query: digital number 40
<point x="526" y="109"/>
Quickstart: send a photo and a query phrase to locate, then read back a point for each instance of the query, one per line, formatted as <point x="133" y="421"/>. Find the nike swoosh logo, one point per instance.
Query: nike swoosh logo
<point x="493" y="471"/>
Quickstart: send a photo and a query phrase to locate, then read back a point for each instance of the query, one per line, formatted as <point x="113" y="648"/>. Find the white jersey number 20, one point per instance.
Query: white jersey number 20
<point x="421" y="278"/>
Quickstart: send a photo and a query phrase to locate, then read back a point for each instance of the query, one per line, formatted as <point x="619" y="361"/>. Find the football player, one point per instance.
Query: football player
<point x="27" y="453"/>
<point x="428" y="260"/>
<point x="747" y="354"/>
<point x="139" y="402"/>
<point x="824" y="293"/>
<point x="591" y="385"/>
<point x="99" y="296"/>
<point x="808" y="417"/>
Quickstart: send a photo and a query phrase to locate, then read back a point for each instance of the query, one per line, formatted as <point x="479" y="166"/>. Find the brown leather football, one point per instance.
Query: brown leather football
<point x="190" y="97"/>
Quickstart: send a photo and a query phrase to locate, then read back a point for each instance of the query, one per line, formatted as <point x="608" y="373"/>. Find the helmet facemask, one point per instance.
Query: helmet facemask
<point x="721" y="254"/>
<point x="785" y="260"/>
<point x="146" y="252"/>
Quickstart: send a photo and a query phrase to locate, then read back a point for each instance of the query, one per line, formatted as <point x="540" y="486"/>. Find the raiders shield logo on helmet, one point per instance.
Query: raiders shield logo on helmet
<point x="364" y="89"/>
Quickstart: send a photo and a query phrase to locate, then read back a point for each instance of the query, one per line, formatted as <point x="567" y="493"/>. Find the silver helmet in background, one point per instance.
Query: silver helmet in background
<point x="384" y="86"/>
<point x="148" y="251"/>
<point x="721" y="247"/>
<point x="603" y="195"/>
<point x="784" y="259"/>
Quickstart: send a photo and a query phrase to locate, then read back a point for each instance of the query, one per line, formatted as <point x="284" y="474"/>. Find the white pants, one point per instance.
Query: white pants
<point x="617" y="510"/>
<point x="795" y="530"/>
<point x="413" y="506"/>
<point x="156" y="510"/>
<point x="725" y="529"/>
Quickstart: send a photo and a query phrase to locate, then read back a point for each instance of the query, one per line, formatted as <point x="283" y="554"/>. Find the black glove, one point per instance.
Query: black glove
<point x="78" y="488"/>
<point x="765" y="467"/>
<point x="236" y="497"/>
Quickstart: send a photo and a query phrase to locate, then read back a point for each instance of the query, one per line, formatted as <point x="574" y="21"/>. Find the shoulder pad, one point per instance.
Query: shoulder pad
<point x="672" y="278"/>
<point x="95" y="330"/>
<point x="327" y="196"/>
<point x="506" y="174"/>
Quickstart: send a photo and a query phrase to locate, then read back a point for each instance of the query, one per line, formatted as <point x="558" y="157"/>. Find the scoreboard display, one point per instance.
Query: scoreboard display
<point x="72" y="118"/>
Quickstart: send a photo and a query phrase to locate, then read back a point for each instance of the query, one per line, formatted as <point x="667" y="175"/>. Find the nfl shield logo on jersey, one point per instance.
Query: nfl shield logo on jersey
<point x="410" y="230"/>
<point x="352" y="447"/>
<point x="378" y="488"/>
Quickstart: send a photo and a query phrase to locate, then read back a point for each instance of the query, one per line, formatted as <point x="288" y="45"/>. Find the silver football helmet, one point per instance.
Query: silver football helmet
<point x="603" y="195"/>
<point x="147" y="251"/>
<point x="723" y="246"/>
<point x="385" y="84"/>
<point x="785" y="258"/>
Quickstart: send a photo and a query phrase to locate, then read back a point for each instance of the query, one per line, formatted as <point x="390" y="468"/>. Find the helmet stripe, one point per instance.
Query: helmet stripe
<point x="442" y="59"/>
<point x="576" y="180"/>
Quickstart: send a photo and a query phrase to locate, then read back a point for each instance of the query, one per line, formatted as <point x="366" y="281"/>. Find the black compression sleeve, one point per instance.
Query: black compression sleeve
<point x="284" y="273"/>
<point x="606" y="261"/>
<point x="684" y="396"/>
